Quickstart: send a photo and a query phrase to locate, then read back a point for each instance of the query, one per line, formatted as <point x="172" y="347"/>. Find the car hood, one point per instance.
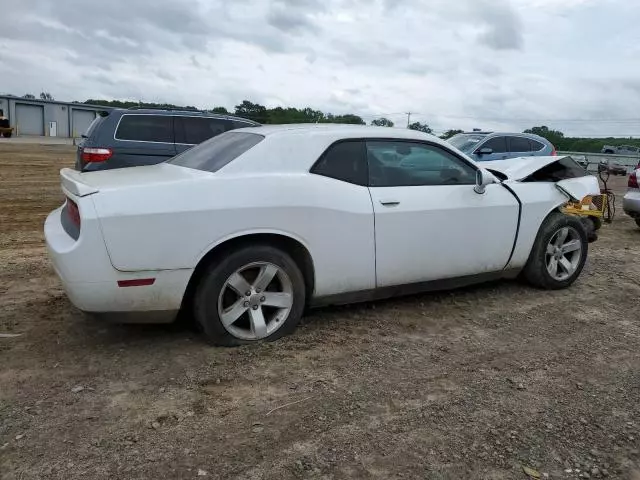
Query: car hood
<point x="578" y="188"/>
<point x="517" y="169"/>
<point x="521" y="167"/>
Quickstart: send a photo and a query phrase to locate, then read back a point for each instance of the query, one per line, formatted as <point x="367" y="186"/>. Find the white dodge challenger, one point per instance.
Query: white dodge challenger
<point x="247" y="229"/>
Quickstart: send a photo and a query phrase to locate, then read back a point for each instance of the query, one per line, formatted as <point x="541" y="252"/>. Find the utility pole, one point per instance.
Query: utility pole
<point x="408" y="119"/>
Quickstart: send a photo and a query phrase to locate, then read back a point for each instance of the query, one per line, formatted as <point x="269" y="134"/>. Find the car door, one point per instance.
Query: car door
<point x="498" y="146"/>
<point x="519" y="147"/>
<point x="430" y="224"/>
<point x="191" y="131"/>
<point x="143" y="139"/>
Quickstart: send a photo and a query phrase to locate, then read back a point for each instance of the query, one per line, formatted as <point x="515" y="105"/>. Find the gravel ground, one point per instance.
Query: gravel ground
<point x="475" y="383"/>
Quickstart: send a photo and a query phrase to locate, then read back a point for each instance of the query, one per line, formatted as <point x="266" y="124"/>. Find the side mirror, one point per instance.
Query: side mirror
<point x="485" y="151"/>
<point x="483" y="178"/>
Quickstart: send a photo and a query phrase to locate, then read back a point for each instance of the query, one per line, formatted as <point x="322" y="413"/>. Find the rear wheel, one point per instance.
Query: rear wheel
<point x="558" y="254"/>
<point x="255" y="293"/>
<point x="6" y="134"/>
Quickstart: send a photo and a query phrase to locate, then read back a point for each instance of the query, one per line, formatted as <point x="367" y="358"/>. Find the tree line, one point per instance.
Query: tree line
<point x="579" y="144"/>
<point x="279" y="115"/>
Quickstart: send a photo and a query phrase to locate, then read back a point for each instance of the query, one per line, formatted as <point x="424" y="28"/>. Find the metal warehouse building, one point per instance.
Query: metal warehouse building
<point x="48" y="118"/>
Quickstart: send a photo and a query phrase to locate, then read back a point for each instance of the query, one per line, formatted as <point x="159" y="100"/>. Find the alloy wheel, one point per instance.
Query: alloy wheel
<point x="563" y="253"/>
<point x="255" y="301"/>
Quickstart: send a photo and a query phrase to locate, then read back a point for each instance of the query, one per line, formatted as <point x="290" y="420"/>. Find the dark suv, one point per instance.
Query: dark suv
<point x="129" y="138"/>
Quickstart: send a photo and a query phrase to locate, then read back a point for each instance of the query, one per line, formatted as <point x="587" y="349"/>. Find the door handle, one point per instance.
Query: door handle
<point x="390" y="203"/>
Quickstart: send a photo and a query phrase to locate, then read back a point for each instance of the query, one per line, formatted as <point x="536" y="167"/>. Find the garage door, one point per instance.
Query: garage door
<point x="30" y="119"/>
<point x="81" y="119"/>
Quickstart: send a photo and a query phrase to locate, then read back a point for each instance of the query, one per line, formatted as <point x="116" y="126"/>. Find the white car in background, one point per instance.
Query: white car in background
<point x="248" y="228"/>
<point x="631" y="200"/>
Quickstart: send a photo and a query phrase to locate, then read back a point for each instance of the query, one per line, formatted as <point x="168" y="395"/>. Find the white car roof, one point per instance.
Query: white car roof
<point x="294" y="148"/>
<point x="339" y="131"/>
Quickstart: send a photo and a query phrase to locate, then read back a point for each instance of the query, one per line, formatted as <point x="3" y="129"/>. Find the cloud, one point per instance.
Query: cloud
<point x="503" y="28"/>
<point x="286" y="20"/>
<point x="294" y="16"/>
<point x="500" y="64"/>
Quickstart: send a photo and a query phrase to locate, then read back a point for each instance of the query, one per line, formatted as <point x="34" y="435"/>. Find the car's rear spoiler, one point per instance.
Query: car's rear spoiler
<point x="71" y="181"/>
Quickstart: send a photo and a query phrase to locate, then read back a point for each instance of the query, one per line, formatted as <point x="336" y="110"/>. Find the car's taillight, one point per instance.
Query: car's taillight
<point x="633" y="180"/>
<point x="90" y="155"/>
<point x="553" y="151"/>
<point x="73" y="212"/>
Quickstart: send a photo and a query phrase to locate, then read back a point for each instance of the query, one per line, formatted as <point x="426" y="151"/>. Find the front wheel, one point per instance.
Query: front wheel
<point x="558" y="254"/>
<point x="255" y="293"/>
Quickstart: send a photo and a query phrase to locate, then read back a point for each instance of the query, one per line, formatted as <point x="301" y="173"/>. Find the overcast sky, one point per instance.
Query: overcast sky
<point x="494" y="64"/>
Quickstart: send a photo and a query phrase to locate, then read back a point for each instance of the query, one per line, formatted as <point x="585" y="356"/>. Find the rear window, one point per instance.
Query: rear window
<point x="94" y="125"/>
<point x="217" y="152"/>
<point x="535" y="145"/>
<point x="145" y="128"/>
<point x="241" y="124"/>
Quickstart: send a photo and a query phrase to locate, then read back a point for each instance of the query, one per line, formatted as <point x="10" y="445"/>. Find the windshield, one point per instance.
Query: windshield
<point x="218" y="151"/>
<point x="466" y="142"/>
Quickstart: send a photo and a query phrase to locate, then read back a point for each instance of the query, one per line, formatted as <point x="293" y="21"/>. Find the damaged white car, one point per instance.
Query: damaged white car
<point x="247" y="229"/>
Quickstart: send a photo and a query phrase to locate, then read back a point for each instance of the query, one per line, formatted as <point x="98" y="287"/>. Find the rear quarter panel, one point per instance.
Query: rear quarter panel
<point x="172" y="226"/>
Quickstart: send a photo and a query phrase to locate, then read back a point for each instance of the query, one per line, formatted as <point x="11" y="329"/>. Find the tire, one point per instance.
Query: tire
<point x="591" y="226"/>
<point x="217" y="296"/>
<point x="7" y="135"/>
<point x="597" y="223"/>
<point x="637" y="221"/>
<point x="537" y="270"/>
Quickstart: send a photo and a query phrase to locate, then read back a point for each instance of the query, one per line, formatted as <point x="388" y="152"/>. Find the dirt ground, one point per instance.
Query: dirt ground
<point x="476" y="383"/>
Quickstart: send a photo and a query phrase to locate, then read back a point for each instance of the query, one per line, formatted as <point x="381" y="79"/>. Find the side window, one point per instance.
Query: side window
<point x="196" y="130"/>
<point x="536" y="146"/>
<point x="145" y="128"/>
<point x="400" y="164"/>
<point x="519" y="144"/>
<point x="344" y="161"/>
<point x="497" y="144"/>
